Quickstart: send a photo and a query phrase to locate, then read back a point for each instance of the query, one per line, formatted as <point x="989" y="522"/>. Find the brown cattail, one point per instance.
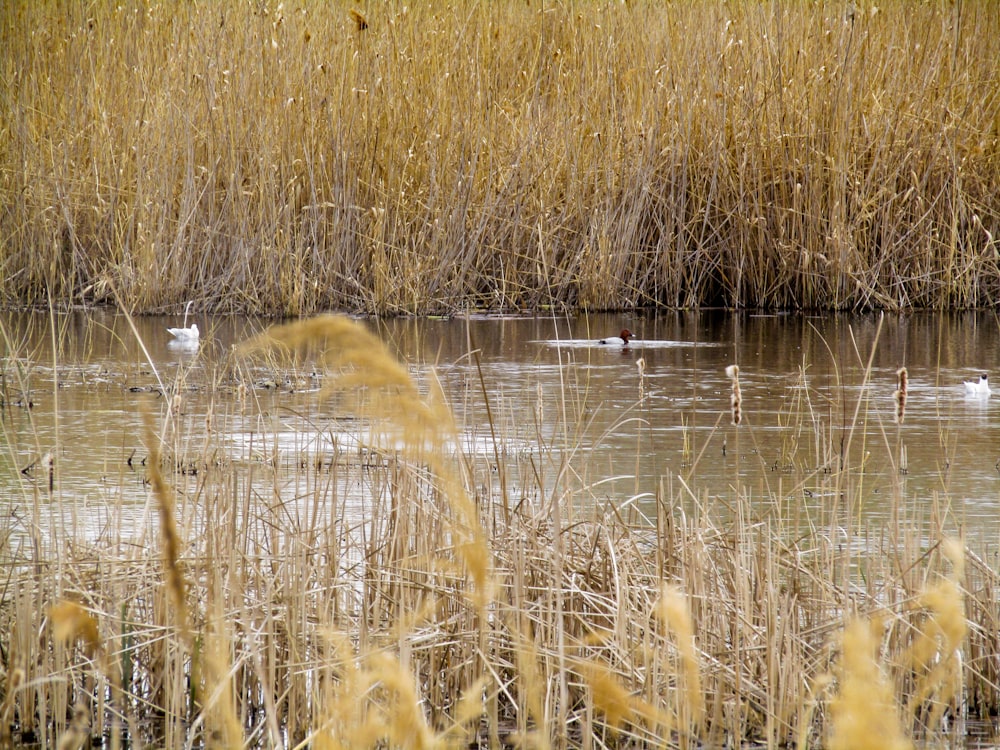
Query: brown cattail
<point x="733" y="373"/>
<point x="900" y="394"/>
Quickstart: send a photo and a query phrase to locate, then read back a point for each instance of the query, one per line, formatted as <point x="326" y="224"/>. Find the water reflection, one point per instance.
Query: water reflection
<point x="540" y="409"/>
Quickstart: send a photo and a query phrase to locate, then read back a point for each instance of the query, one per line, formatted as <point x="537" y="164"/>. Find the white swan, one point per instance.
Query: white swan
<point x="979" y="387"/>
<point x="186" y="336"/>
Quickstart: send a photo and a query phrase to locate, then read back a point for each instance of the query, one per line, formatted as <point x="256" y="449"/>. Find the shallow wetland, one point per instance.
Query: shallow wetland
<point x="756" y="529"/>
<point x="591" y="544"/>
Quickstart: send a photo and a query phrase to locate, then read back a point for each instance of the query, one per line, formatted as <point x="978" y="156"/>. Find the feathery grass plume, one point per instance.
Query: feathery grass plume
<point x="468" y="712"/>
<point x="369" y="699"/>
<point x="71" y="622"/>
<point x="608" y="695"/>
<point x="733" y="373"/>
<point x="863" y="714"/>
<point x="403" y="717"/>
<point x="168" y="530"/>
<point x="935" y="655"/>
<point x="674" y="612"/>
<point x="342" y="719"/>
<point x="900" y="394"/>
<point x="363" y="369"/>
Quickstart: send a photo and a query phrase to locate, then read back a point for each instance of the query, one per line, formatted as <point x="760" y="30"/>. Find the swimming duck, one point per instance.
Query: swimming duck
<point x="620" y="340"/>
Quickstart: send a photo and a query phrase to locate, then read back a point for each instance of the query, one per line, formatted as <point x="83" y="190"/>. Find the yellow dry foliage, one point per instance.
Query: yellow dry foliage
<point x="863" y="713"/>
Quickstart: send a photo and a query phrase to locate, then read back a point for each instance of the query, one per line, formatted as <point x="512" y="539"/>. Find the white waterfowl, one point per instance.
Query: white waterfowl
<point x="980" y="387"/>
<point x="185" y="335"/>
<point x="620" y="340"/>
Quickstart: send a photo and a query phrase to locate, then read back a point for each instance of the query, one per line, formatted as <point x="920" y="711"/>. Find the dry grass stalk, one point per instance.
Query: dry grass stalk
<point x="172" y="543"/>
<point x="15" y="678"/>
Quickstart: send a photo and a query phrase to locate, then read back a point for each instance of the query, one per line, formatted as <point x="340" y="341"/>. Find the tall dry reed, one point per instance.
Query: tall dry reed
<point x="285" y="159"/>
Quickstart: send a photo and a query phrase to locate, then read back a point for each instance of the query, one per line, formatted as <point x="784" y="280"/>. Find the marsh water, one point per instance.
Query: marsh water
<point x="538" y="400"/>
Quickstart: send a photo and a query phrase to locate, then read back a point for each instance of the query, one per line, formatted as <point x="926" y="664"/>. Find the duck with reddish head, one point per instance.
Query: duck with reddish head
<point x="620" y="340"/>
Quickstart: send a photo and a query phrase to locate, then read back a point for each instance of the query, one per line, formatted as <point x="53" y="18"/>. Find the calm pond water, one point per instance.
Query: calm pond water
<point x="617" y="424"/>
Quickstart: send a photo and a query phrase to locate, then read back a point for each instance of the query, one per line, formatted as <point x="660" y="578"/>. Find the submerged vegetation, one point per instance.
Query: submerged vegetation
<point x="293" y="157"/>
<point x="387" y="588"/>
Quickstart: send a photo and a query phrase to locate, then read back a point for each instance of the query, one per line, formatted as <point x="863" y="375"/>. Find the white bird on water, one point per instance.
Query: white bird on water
<point x="185" y="335"/>
<point x="979" y="387"/>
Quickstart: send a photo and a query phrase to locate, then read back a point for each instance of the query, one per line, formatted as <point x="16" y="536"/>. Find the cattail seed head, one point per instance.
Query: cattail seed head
<point x="900" y="394"/>
<point x="733" y="373"/>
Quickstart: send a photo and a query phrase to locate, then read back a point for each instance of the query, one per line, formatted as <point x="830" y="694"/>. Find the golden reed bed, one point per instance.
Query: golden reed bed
<point x="288" y="158"/>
